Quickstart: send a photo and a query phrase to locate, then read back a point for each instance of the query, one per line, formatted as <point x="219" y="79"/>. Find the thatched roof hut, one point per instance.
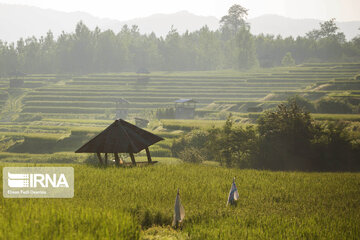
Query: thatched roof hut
<point x="120" y="137"/>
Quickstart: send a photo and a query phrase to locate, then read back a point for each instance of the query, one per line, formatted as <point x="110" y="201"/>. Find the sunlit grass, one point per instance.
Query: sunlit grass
<point x="272" y="205"/>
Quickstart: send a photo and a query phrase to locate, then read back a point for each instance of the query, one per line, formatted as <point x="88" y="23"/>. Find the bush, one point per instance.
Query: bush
<point x="291" y="140"/>
<point x="231" y="146"/>
<point x="333" y="148"/>
<point x="304" y="103"/>
<point x="288" y="60"/>
<point x="234" y="146"/>
<point x="286" y="135"/>
<point x="286" y="138"/>
<point x="333" y="105"/>
<point x="92" y="159"/>
<point x="195" y="139"/>
<point x="192" y="155"/>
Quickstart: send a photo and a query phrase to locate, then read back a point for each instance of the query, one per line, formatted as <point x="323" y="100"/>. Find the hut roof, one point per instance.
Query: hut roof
<point x="120" y="137"/>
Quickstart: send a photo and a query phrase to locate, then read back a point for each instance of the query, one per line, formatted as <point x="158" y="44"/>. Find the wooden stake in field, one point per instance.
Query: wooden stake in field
<point x="121" y="137"/>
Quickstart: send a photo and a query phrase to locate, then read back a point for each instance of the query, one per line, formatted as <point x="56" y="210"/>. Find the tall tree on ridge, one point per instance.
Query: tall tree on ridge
<point x="238" y="41"/>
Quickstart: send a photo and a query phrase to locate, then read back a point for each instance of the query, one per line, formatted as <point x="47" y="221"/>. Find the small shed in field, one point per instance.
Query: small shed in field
<point x="121" y="108"/>
<point x="120" y="137"/>
<point x="185" y="109"/>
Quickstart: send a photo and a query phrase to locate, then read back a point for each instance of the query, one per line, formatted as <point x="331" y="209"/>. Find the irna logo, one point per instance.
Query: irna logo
<point x="19" y="180"/>
<point x="38" y="182"/>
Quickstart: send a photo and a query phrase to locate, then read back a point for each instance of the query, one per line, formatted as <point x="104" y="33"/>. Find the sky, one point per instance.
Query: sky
<point x="342" y="10"/>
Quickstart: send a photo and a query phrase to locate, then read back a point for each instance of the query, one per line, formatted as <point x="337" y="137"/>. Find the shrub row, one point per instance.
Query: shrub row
<point x="285" y="139"/>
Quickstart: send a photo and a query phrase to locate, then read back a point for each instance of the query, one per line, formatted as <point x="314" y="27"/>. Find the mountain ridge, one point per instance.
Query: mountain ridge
<point x="18" y="21"/>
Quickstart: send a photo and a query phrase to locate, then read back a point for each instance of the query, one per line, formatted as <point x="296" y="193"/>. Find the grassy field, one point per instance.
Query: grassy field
<point x="49" y="117"/>
<point x="132" y="203"/>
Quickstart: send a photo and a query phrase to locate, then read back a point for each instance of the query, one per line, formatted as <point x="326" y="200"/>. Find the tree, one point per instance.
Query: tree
<point x="63" y="53"/>
<point x="208" y="48"/>
<point x="235" y="20"/>
<point x="286" y="134"/>
<point x="107" y="52"/>
<point x="238" y="43"/>
<point x="175" y="52"/>
<point x="245" y="50"/>
<point x="328" y="29"/>
<point x="302" y="102"/>
<point x="356" y="41"/>
<point x="232" y="46"/>
<point x="9" y="65"/>
<point x="233" y="146"/>
<point x="288" y="60"/>
<point x="333" y="105"/>
<point x="328" y="43"/>
<point x="83" y="49"/>
<point x="333" y="149"/>
<point x="47" y="53"/>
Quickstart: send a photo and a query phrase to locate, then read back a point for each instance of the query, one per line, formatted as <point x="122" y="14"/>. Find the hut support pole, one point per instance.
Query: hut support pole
<point x="106" y="159"/>
<point x="132" y="159"/>
<point x="117" y="159"/>
<point x="99" y="157"/>
<point x="148" y="155"/>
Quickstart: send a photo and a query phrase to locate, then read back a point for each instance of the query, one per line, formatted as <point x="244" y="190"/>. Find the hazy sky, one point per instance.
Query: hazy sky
<point x="342" y="10"/>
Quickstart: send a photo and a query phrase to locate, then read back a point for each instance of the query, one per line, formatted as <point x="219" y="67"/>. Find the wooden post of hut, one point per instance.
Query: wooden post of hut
<point x="99" y="157"/>
<point x="117" y="159"/>
<point x="148" y="155"/>
<point x="106" y="159"/>
<point x="132" y="159"/>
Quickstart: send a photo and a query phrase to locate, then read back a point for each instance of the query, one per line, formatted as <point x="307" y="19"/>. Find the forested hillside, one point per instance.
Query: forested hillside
<point x="231" y="46"/>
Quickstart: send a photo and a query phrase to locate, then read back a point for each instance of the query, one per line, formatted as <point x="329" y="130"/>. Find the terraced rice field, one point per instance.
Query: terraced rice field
<point x="59" y="112"/>
<point x="96" y="93"/>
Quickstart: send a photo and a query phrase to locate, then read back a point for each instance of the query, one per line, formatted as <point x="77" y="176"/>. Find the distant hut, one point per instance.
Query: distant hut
<point x="120" y="137"/>
<point x="185" y="109"/>
<point x="121" y="106"/>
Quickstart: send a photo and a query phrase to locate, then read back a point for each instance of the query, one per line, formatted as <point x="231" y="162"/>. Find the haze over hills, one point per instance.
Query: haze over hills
<point x="24" y="21"/>
<point x="182" y="21"/>
<point x="274" y="24"/>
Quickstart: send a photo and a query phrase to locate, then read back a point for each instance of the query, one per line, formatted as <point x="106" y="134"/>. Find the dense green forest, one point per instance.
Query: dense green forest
<point x="231" y="46"/>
